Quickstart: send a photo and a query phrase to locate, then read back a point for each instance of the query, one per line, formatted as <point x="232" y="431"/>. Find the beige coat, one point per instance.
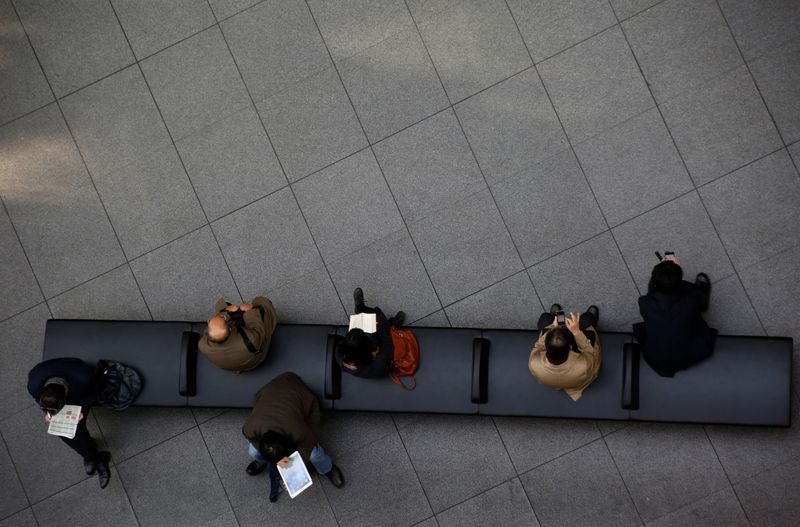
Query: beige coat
<point x="574" y="374"/>
<point x="232" y="353"/>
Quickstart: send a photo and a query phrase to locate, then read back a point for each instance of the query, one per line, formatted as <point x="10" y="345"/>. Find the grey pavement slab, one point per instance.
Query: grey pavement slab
<point x="267" y="243"/>
<point x="590" y="273"/>
<point x="470" y="448"/>
<point x="24" y="518"/>
<point x="227" y="8"/>
<point x="511" y="304"/>
<point x="152" y="25"/>
<point x="720" y="508"/>
<point x="310" y="299"/>
<point x="77" y="42"/>
<point x="115" y="121"/>
<point x="609" y="427"/>
<point x="505" y="505"/>
<point x="150" y="201"/>
<point x="175" y="483"/>
<point x="777" y="75"/>
<point x="309" y="508"/>
<point x="393" y="83"/>
<point x="666" y="467"/>
<point x="680" y="44"/>
<point x="595" y="85"/>
<point x="511" y="126"/>
<point x="275" y="44"/>
<point x="730" y="309"/>
<point x="87" y="505"/>
<point x="21" y="350"/>
<point x="437" y="319"/>
<point x="681" y="226"/>
<point x="348" y="205"/>
<point x="231" y="163"/>
<point x="382" y="474"/>
<point x="195" y="83"/>
<point x="226" y="519"/>
<point x="582" y="487"/>
<point x="201" y="415"/>
<point x="542" y="227"/>
<point x="750" y="230"/>
<point x="344" y="432"/>
<point x="633" y="167"/>
<point x="720" y="126"/>
<point x="429" y="165"/>
<point x="312" y="124"/>
<point x="182" y="280"/>
<point x="139" y="428"/>
<point x="14" y="498"/>
<point x="351" y="26"/>
<point x="770" y="498"/>
<point x="465" y="247"/>
<point x="430" y="522"/>
<point x="794" y="152"/>
<point x="473" y="45"/>
<point x="533" y="442"/>
<point x="627" y="8"/>
<point x="391" y="274"/>
<point x="19" y="286"/>
<point x="550" y="26"/>
<point x="113" y="296"/>
<point x="22" y="82"/>
<point x="759" y="27"/>
<point x="54" y="207"/>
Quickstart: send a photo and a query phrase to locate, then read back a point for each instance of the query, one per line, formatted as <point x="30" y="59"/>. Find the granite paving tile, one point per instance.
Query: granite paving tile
<point x="730" y="310"/>
<point x="595" y="85"/>
<point x="777" y="76"/>
<point x="580" y="488"/>
<point x="51" y="202"/>
<point x="609" y="427"/>
<point x="794" y="151"/>
<point x="437" y="319"/>
<point x="511" y="126"/>
<point x="348" y="205"/>
<point x="267" y="243"/>
<point x="311" y="299"/>
<point x="84" y="505"/>
<point x="227" y="8"/>
<point x="393" y="84"/>
<point x="510" y="304"/>
<point x="195" y="83"/>
<point x="736" y="203"/>
<point x="112" y="296"/>
<point x="720" y="508"/>
<point x="309" y="508"/>
<point x="627" y="8"/>
<point x="422" y="9"/>
<point x="505" y="505"/>
<point x="550" y="26"/>
<point x="473" y="44"/>
<point x="770" y="498"/>
<point x="151" y="25"/>
<point x="759" y="27"/>
<point x="465" y="247"/>
<point x="474" y="456"/>
<point x="14" y="499"/>
<point x="345" y="432"/>
<point x="633" y="167"/>
<point x="76" y="41"/>
<point x="201" y="415"/>
<point x="429" y="166"/>
<point x="19" y="286"/>
<point x="391" y="274"/>
<point x="138" y="428"/>
<point x="680" y="44"/>
<point x="275" y="44"/>
<point x="312" y="124"/>
<point x="430" y="522"/>
<point x="23" y="518"/>
<point x="183" y="280"/>
<point x="681" y="226"/>
<point x="590" y="273"/>
<point x="541" y="227"/>
<point x="21" y="350"/>
<point x="720" y="126"/>
<point x="22" y="83"/>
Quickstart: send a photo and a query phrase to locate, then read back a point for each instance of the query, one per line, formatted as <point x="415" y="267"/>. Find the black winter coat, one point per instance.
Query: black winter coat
<point x="81" y="379"/>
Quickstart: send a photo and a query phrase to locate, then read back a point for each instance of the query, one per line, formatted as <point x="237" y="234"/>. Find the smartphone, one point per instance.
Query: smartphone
<point x="561" y="319"/>
<point x="669" y="255"/>
<point x="658" y="255"/>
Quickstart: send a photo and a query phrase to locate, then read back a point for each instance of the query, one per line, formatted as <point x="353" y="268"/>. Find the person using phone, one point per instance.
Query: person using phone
<point x="674" y="335"/>
<point x="567" y="354"/>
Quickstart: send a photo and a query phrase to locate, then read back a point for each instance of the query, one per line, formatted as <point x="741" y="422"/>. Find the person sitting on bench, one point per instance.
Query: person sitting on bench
<point x="368" y="354"/>
<point x="674" y="335"/>
<point x="237" y="338"/>
<point x="567" y="354"/>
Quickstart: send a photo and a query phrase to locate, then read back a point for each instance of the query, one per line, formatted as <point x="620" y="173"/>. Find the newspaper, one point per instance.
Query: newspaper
<point x="295" y="475"/>
<point x="65" y="422"/>
<point x="364" y="321"/>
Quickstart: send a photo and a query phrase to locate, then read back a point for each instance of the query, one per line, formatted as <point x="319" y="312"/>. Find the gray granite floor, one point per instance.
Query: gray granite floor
<point x="468" y="161"/>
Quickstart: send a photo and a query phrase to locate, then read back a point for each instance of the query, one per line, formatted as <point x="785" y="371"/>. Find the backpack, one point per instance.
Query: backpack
<point x="120" y="385"/>
<point x="406" y="357"/>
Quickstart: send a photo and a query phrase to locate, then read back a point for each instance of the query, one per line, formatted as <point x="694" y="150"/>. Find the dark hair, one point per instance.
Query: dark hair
<point x="357" y="348"/>
<point x="666" y="277"/>
<point x="53" y="397"/>
<point x="557" y="343"/>
<point x="274" y="446"/>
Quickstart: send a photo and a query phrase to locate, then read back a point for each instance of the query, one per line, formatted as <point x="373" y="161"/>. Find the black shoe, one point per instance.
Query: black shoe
<point x="89" y="466"/>
<point x="555" y="308"/>
<point x="255" y="468"/>
<point x="103" y="472"/>
<point x="335" y="476"/>
<point x="595" y="312"/>
<point x="703" y="281"/>
<point x="358" y="298"/>
<point x="398" y="319"/>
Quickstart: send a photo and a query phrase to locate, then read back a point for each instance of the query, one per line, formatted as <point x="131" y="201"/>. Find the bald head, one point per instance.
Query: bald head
<point x="217" y="329"/>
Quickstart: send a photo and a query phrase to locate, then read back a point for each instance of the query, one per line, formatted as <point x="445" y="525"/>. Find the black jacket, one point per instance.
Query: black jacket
<point x="80" y="377"/>
<point x="674" y="335"/>
<point x="382" y="363"/>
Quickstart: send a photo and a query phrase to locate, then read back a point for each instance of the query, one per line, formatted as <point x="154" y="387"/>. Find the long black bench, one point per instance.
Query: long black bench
<point x="462" y="371"/>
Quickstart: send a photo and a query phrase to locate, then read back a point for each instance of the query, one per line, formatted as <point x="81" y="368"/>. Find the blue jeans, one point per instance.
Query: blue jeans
<point x="319" y="458"/>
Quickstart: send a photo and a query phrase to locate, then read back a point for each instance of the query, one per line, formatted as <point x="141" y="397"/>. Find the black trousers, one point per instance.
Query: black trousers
<point x="83" y="443"/>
